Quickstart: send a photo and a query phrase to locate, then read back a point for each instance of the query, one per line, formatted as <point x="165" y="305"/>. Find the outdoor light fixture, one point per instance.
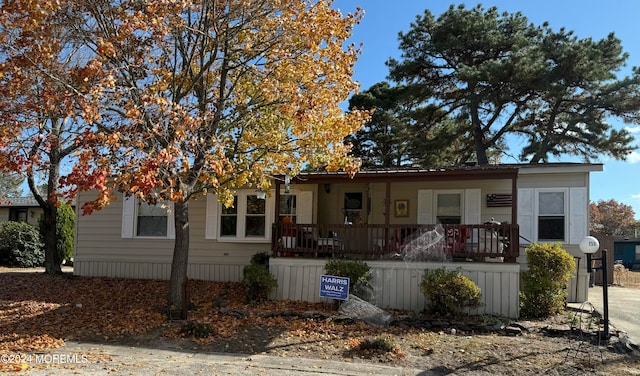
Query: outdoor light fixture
<point x="590" y="245"/>
<point x="261" y="194"/>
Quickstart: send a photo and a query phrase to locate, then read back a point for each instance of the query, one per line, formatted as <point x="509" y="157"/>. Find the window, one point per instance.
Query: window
<point x="152" y="219"/>
<point x="250" y="218"/>
<point x="449" y="208"/>
<point x="229" y="219"/>
<point x="18" y="214"/>
<point x="255" y="220"/>
<point x="145" y="220"/>
<point x="551" y="216"/>
<point x="246" y="219"/>
<point x="288" y="208"/>
<point x="352" y="207"/>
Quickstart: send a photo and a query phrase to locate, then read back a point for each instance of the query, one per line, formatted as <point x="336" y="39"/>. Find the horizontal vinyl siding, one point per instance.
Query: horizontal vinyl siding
<point x="101" y="250"/>
<point x="409" y="191"/>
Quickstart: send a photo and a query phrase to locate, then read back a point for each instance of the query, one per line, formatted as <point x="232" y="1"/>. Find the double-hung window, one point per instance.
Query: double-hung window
<point x="152" y="219"/>
<point x="551" y="207"/>
<point x="245" y="220"/>
<point x="141" y="219"/>
<point x="255" y="220"/>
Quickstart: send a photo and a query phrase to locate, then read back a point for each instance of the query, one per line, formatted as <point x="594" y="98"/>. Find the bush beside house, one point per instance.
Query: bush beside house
<point x="543" y="292"/>
<point x="20" y="245"/>
<point x="256" y="278"/>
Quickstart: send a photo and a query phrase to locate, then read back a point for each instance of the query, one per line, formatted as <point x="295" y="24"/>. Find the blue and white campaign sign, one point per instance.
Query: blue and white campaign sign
<point x="334" y="287"/>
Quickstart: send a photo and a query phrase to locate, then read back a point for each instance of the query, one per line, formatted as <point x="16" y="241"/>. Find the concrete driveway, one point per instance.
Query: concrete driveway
<point x="624" y="308"/>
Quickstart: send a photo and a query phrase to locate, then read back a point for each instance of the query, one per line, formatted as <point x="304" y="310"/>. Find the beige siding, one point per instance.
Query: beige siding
<point x="409" y="191"/>
<point x="553" y="180"/>
<point x="101" y="250"/>
<point x="396" y="284"/>
<point x="562" y="180"/>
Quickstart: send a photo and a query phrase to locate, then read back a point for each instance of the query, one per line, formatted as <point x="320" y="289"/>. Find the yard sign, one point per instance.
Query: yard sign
<point x="334" y="287"/>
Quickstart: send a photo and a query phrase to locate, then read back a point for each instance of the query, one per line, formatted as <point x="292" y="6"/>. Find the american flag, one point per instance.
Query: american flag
<point x="499" y="200"/>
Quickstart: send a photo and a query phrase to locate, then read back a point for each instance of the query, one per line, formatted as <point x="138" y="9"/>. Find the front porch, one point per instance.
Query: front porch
<point x="489" y="242"/>
<point x="426" y="215"/>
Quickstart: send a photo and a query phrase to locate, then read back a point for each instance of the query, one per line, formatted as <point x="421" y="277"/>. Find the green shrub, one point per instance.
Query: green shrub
<point x="65" y="225"/>
<point x="448" y="292"/>
<point x="543" y="292"/>
<point x="260" y="258"/>
<point x="258" y="281"/>
<point x="20" y="245"/>
<point x="357" y="271"/>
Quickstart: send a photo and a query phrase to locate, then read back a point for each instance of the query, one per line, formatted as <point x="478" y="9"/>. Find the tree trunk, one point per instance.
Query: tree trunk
<point x="177" y="288"/>
<point x="478" y="133"/>
<point x="52" y="260"/>
<point x="49" y="229"/>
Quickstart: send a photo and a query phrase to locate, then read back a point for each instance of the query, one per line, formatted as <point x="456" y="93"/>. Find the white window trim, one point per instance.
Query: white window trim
<point x="242" y="209"/>
<point x="536" y="212"/>
<point x="304" y="202"/>
<point x="130" y="220"/>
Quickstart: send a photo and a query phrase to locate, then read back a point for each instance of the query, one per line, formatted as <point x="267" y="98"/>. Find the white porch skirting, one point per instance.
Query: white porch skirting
<point x="396" y="283"/>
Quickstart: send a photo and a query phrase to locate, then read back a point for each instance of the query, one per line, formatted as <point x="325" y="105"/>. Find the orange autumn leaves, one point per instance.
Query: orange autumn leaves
<point x="39" y="311"/>
<point x="217" y="94"/>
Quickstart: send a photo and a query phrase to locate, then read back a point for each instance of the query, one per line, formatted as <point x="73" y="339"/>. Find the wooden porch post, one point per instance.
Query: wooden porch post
<point x="387" y="211"/>
<point x="276" y="218"/>
<point x="276" y="212"/>
<point x="514" y="199"/>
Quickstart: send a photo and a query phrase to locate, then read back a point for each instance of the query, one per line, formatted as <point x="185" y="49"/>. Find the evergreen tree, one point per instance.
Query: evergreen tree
<point x="497" y="75"/>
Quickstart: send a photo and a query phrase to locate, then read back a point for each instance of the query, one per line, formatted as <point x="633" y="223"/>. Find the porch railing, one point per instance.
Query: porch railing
<point x="478" y="242"/>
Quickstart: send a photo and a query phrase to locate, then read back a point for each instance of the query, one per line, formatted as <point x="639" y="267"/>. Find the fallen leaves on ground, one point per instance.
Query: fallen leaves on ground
<point x="40" y="312"/>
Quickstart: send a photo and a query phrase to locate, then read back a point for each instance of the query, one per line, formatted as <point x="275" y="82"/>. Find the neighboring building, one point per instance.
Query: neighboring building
<point x="380" y="215"/>
<point x="20" y="209"/>
<point x="627" y="252"/>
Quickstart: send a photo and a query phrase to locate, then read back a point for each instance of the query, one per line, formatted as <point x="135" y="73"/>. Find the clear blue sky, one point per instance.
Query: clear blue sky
<point x="383" y="20"/>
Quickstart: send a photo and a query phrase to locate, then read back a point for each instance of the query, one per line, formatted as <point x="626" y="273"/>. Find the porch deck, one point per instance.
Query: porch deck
<point x="487" y="242"/>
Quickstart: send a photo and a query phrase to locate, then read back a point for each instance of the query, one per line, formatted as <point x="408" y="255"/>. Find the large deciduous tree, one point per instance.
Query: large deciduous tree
<point x="610" y="217"/>
<point x="45" y="86"/>
<point x="499" y="75"/>
<point x="209" y="96"/>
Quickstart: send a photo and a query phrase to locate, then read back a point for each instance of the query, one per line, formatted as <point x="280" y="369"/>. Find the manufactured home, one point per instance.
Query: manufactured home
<point x="401" y="221"/>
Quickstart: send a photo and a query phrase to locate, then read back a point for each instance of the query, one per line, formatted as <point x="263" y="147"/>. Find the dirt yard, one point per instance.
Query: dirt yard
<point x="40" y="312"/>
